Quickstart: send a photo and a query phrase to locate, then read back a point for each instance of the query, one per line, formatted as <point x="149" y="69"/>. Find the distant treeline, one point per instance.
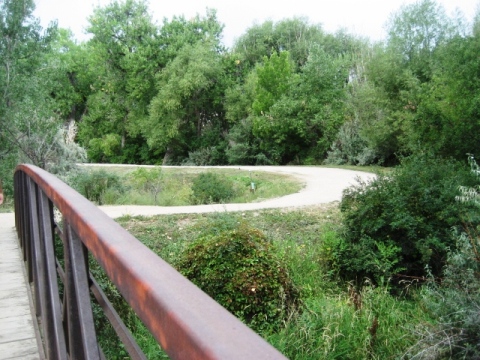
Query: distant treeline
<point x="286" y="93"/>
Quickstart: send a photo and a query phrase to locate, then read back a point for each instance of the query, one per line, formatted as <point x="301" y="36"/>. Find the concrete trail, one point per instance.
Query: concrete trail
<point x="322" y="185"/>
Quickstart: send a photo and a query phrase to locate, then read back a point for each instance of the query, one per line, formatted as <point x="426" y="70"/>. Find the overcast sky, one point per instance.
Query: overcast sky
<point x="361" y="17"/>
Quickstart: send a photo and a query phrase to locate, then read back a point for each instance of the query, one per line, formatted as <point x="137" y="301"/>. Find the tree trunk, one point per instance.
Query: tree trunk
<point x="167" y="155"/>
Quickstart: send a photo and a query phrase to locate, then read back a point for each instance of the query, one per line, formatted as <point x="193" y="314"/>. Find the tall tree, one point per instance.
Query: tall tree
<point x="448" y="117"/>
<point x="187" y="102"/>
<point x="415" y="32"/>
<point x="72" y="77"/>
<point x="399" y="73"/>
<point x="178" y="32"/>
<point x="293" y="35"/>
<point x="124" y="58"/>
<point x="29" y="125"/>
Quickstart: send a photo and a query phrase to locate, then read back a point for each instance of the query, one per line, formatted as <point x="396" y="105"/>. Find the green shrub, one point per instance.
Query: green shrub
<point x="455" y="303"/>
<point x="400" y="223"/>
<point x="239" y="269"/>
<point x="204" y="156"/>
<point x="94" y="184"/>
<point x="350" y="148"/>
<point x="150" y="180"/>
<point x="7" y="169"/>
<point x="211" y="188"/>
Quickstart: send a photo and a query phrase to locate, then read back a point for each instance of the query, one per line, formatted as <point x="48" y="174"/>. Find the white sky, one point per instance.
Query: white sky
<point x="361" y="17"/>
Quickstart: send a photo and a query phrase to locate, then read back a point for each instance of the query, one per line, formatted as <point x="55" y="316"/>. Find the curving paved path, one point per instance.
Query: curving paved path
<point x="322" y="185"/>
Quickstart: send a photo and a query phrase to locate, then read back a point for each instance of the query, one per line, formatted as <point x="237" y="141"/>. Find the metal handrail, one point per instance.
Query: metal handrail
<point x="186" y="322"/>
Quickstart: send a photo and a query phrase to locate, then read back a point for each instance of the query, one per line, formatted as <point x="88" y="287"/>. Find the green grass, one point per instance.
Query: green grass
<point x="336" y="321"/>
<point x="375" y="169"/>
<point x="176" y="186"/>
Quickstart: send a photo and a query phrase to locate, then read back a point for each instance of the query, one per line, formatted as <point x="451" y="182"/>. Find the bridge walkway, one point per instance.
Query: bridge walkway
<point x="18" y="331"/>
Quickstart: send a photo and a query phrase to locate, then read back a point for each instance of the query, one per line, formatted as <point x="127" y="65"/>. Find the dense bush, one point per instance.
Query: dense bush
<point x="350" y="148"/>
<point x="400" y="223"/>
<point x="455" y="303"/>
<point x="455" y="300"/>
<point x="95" y="184"/>
<point x="7" y="169"/>
<point x="209" y="187"/>
<point x="150" y="181"/>
<point x="239" y="269"/>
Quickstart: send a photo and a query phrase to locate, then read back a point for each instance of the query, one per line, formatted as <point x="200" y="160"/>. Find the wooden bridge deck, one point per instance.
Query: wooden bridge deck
<point x="18" y="338"/>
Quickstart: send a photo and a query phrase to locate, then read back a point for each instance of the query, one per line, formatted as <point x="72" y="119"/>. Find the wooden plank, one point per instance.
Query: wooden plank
<point x="24" y="349"/>
<point x="12" y="277"/>
<point x="15" y="329"/>
<point x="12" y="312"/>
<point x="12" y="302"/>
<point x="18" y="339"/>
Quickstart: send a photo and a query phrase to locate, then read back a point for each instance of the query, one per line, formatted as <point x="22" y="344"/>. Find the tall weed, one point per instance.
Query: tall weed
<point x="369" y="324"/>
<point x="336" y="319"/>
<point x="455" y="303"/>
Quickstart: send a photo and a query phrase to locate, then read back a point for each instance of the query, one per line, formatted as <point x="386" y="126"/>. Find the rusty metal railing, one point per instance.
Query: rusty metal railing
<point x="185" y="321"/>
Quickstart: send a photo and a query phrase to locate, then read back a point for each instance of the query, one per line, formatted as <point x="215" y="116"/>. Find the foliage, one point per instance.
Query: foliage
<point x="7" y="167"/>
<point x="349" y="147"/>
<point x="346" y="324"/>
<point x="150" y="180"/>
<point x="185" y="105"/>
<point x="400" y="223"/>
<point x="448" y="115"/>
<point x="455" y="302"/>
<point x="179" y="32"/>
<point x="328" y="324"/>
<point x="294" y="35"/>
<point x="95" y="184"/>
<point x="211" y="188"/>
<point x="31" y="129"/>
<point x="296" y="115"/>
<point x="273" y="78"/>
<point x="294" y="102"/>
<point x="288" y="92"/>
<point x="321" y="98"/>
<point x="122" y="56"/>
<point x="204" y="156"/>
<point x="408" y="82"/>
<point x="367" y="136"/>
<point x="416" y="31"/>
<point x="243" y="147"/>
<point x="239" y="269"/>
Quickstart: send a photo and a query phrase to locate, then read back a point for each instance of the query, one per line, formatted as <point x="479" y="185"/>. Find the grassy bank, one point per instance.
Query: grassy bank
<point x="335" y="320"/>
<point x="173" y="186"/>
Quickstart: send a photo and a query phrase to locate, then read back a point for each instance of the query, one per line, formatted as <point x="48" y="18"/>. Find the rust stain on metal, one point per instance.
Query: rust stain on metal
<point x="185" y="321"/>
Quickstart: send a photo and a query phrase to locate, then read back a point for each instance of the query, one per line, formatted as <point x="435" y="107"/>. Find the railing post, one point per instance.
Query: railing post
<point x="52" y="309"/>
<point x="185" y="321"/>
<point x="34" y="258"/>
<point x="82" y="340"/>
<point x="27" y="226"/>
<point x="42" y="263"/>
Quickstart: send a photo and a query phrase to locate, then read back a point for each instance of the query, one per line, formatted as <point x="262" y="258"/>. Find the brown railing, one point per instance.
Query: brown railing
<point x="185" y="321"/>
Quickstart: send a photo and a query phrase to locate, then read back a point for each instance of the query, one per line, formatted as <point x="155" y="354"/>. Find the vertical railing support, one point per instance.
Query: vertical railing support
<point x="185" y="321"/>
<point x="52" y="308"/>
<point x="81" y="330"/>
